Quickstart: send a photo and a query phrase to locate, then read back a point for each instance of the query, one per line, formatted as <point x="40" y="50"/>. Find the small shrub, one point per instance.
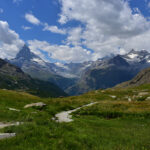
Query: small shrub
<point x="141" y="98"/>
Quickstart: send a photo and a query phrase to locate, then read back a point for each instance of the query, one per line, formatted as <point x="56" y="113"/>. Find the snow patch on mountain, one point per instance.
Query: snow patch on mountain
<point x="39" y="61"/>
<point x="61" y="65"/>
<point x="132" y="56"/>
<point x="148" y="61"/>
<point x="137" y="56"/>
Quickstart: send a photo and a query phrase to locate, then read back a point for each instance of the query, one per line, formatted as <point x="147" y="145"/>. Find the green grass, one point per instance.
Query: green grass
<point x="112" y="124"/>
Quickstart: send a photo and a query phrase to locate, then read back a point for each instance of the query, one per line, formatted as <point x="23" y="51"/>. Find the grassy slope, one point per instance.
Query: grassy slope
<point x="113" y="124"/>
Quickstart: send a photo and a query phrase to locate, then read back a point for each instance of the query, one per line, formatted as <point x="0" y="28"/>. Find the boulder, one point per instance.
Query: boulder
<point x="148" y="98"/>
<point x="143" y="93"/>
<point x="113" y="96"/>
<point x="7" y="135"/>
<point x="13" y="109"/>
<point x="40" y="104"/>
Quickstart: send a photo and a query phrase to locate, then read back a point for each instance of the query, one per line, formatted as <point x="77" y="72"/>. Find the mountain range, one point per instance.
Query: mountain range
<point x="104" y="73"/>
<point x="13" y="78"/>
<point x="78" y="78"/>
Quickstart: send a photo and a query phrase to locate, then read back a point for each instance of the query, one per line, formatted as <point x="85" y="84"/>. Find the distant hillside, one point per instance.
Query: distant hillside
<point x="142" y="78"/>
<point x="13" y="78"/>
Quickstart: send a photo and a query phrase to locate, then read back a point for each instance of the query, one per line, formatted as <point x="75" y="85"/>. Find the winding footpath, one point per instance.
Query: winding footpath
<point x="66" y="116"/>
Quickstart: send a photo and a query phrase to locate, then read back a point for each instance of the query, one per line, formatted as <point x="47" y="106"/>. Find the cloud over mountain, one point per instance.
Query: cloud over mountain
<point x="107" y="25"/>
<point x="60" y="52"/>
<point x="10" y="42"/>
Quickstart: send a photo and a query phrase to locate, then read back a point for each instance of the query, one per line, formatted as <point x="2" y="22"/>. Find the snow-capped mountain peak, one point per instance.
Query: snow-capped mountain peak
<point x="26" y="56"/>
<point x="25" y="53"/>
<point x="137" y="56"/>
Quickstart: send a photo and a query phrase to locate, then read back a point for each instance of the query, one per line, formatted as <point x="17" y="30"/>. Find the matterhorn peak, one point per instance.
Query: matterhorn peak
<point x="25" y="53"/>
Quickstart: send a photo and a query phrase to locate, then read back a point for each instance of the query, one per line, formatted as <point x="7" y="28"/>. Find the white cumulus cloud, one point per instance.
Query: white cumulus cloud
<point x="74" y="36"/>
<point x="108" y="25"/>
<point x="54" y="29"/>
<point x="32" y="19"/>
<point x="10" y="43"/>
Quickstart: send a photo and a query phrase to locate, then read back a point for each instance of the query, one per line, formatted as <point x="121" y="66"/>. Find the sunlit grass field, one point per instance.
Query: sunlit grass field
<point x="119" y="121"/>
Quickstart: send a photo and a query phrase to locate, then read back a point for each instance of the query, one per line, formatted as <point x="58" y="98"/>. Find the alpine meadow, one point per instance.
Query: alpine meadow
<point x="74" y="75"/>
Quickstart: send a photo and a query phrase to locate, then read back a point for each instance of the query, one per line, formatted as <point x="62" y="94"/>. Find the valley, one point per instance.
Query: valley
<point x="79" y="78"/>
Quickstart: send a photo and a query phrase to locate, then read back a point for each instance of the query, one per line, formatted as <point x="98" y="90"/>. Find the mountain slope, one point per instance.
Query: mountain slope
<point x="13" y="78"/>
<point x="102" y="75"/>
<point x="142" y="77"/>
<point x="110" y="72"/>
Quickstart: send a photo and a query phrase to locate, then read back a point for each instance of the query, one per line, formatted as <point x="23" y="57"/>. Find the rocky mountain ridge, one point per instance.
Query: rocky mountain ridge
<point x="107" y="73"/>
<point x="13" y="78"/>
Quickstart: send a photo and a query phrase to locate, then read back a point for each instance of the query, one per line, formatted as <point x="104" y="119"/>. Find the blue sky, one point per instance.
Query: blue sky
<point x="46" y="12"/>
<point x="74" y="31"/>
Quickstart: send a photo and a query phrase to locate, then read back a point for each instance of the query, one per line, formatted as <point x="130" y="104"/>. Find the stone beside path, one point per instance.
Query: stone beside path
<point x="40" y="104"/>
<point x="113" y="96"/>
<point x="13" y="109"/>
<point x="7" y="135"/>
<point x="4" y="125"/>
